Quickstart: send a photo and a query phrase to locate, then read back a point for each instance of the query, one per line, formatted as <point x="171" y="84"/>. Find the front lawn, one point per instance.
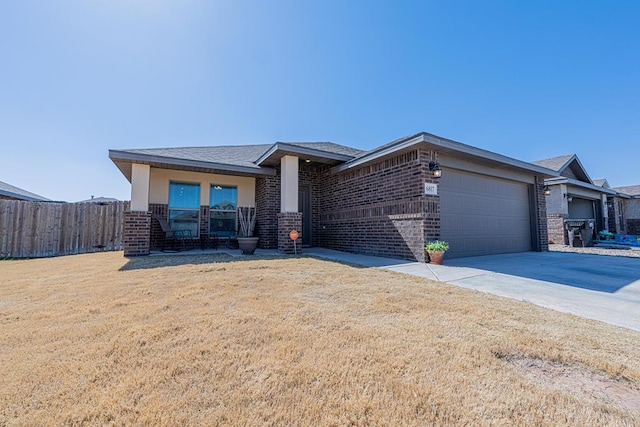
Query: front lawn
<point x="199" y="340"/>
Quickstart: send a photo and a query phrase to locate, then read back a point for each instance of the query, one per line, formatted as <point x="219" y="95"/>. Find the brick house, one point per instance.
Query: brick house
<point x="387" y="202"/>
<point x="573" y="195"/>
<point x="624" y="210"/>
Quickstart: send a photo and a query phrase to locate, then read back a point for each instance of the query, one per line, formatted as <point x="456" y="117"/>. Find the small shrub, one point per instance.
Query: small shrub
<point x="436" y="245"/>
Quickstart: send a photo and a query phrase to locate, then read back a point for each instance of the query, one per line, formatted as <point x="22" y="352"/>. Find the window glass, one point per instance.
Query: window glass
<point x="186" y="196"/>
<point x="184" y="207"/>
<point x="224" y="200"/>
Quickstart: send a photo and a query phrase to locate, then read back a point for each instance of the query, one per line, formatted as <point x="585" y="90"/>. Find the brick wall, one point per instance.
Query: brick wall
<point x="556" y="231"/>
<point x="288" y="221"/>
<point x="542" y="223"/>
<point x="380" y="209"/>
<point x="137" y="230"/>
<point x="267" y="209"/>
<point x="633" y="226"/>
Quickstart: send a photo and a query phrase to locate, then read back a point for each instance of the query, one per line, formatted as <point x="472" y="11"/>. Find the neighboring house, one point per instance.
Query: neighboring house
<point x="573" y="195"/>
<point x="625" y="208"/>
<point x="10" y="192"/>
<point x="385" y="202"/>
<point x="99" y="200"/>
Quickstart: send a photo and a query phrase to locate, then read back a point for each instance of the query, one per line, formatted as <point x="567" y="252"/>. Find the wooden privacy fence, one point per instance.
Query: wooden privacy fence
<point x="41" y="229"/>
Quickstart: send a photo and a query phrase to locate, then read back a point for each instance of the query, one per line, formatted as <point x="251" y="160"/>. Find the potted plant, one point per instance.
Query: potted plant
<point x="247" y="218"/>
<point x="435" y="249"/>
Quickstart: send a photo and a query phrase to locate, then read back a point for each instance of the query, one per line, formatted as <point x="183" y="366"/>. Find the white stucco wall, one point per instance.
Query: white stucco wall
<point x="289" y="184"/>
<point x="140" y="176"/>
<point x="160" y="178"/>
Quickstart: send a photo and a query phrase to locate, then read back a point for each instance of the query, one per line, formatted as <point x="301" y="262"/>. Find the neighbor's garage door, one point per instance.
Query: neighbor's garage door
<point x="481" y="215"/>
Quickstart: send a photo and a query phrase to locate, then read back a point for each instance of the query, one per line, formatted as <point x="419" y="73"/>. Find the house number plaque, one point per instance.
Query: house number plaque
<point x="430" y="189"/>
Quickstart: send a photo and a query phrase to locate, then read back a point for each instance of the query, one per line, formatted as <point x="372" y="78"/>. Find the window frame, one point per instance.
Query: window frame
<point x="234" y="211"/>
<point x="195" y="210"/>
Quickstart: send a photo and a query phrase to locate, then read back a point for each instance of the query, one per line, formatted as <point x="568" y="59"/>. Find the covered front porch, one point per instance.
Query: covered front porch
<point x="199" y="203"/>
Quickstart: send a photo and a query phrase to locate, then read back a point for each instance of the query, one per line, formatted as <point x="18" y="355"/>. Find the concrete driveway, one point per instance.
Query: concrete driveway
<point x="605" y="288"/>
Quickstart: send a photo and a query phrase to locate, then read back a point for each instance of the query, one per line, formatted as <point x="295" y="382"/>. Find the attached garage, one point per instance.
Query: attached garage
<point x="482" y="215"/>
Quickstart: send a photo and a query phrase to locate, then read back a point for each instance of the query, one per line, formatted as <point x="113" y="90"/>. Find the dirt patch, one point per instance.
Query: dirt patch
<point x="578" y="380"/>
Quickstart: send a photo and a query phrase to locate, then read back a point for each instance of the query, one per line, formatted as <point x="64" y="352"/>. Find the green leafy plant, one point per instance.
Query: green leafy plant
<point x="605" y="235"/>
<point x="436" y="245"/>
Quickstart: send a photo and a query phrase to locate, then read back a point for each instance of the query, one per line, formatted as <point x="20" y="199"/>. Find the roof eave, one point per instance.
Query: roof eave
<point x="23" y="197"/>
<point x="115" y="155"/>
<point x="576" y="183"/>
<point x="446" y="144"/>
<point x="282" y="148"/>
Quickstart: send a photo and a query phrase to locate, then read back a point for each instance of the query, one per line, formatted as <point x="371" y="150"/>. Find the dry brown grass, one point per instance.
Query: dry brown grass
<point x="100" y="340"/>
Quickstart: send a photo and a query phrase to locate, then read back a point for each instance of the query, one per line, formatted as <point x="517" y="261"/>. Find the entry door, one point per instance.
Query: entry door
<point x="304" y="206"/>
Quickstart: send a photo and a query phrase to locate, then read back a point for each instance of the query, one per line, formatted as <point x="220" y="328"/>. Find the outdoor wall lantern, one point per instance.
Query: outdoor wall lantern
<point x="569" y="197"/>
<point x="435" y="168"/>
<point x="546" y="190"/>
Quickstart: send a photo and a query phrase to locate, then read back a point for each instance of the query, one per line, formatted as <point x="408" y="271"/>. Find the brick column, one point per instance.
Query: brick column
<point x="288" y="221"/>
<point x="137" y="233"/>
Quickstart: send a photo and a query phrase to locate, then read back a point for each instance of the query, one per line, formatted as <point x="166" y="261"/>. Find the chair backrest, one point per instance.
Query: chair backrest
<point x="164" y="225"/>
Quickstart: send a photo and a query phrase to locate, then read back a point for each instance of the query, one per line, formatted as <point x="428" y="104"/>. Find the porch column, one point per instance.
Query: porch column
<point x="605" y="213"/>
<point x="140" y="187"/>
<point x="289" y="218"/>
<point x="137" y="222"/>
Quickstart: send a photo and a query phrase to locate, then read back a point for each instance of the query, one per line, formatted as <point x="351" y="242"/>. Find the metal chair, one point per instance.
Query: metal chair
<point x="170" y="236"/>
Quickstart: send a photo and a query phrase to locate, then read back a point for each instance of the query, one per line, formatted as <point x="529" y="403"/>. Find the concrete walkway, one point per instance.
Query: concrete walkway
<point x="605" y="288"/>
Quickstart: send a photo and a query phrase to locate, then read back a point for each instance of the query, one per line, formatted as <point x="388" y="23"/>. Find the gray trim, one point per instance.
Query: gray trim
<point x="303" y="151"/>
<point x="576" y="183"/>
<point x="136" y="157"/>
<point x="447" y="145"/>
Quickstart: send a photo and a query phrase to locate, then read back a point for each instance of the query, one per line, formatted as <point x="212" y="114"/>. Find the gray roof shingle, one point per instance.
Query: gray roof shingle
<point x="631" y="190"/>
<point x="237" y="155"/>
<point x="18" y="193"/>
<point x="554" y="163"/>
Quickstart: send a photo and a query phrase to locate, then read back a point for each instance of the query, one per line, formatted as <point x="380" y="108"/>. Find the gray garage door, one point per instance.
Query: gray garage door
<point x="481" y="215"/>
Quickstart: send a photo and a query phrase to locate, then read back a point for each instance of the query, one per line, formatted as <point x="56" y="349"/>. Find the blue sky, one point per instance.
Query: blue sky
<point x="526" y="79"/>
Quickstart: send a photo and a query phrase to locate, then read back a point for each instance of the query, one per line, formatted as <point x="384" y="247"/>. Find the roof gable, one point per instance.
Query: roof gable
<point x="602" y="183"/>
<point x="568" y="166"/>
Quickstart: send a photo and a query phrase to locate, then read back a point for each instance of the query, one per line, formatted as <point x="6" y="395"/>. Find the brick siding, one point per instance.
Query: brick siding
<point x="137" y="230"/>
<point x="267" y="209"/>
<point x="380" y="209"/>
<point x="288" y="221"/>
<point x="633" y="226"/>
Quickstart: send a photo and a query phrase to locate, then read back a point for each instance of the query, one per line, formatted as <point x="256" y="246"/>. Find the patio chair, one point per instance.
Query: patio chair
<point x="171" y="237"/>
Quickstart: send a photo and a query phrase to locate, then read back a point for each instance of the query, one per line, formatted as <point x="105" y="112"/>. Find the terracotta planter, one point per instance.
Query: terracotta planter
<point x="247" y="245"/>
<point x="436" y="257"/>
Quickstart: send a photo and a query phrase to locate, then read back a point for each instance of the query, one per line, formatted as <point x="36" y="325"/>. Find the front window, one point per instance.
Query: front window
<point x="184" y="207"/>
<point x="224" y="201"/>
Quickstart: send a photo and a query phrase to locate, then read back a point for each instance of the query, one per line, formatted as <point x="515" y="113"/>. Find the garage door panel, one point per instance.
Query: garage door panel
<point x="482" y="215"/>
